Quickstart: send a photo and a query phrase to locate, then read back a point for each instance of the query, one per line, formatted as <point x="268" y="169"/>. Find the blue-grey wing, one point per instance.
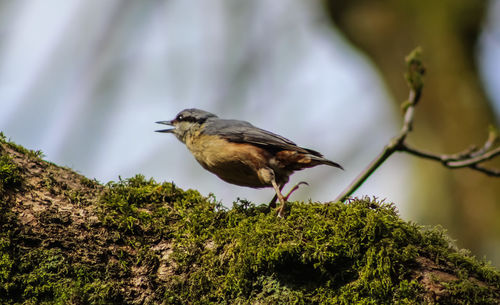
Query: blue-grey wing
<point x="244" y="132"/>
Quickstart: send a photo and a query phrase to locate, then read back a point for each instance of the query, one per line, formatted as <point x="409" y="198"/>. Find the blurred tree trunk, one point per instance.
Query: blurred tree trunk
<point x="454" y="111"/>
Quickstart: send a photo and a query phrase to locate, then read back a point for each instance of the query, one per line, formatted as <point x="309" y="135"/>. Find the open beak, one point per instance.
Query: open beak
<point x="169" y="123"/>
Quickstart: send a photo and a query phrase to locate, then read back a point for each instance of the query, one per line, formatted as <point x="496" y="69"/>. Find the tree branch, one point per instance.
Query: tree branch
<point x="471" y="157"/>
<point x="465" y="159"/>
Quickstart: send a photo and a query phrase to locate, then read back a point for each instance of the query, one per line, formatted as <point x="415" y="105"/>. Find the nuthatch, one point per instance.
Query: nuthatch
<point x="242" y="154"/>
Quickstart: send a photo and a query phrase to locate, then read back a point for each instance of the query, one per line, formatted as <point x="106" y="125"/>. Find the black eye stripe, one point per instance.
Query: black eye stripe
<point x="182" y="118"/>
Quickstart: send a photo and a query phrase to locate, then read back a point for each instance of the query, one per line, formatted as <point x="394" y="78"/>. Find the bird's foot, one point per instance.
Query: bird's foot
<point x="283" y="199"/>
<point x="281" y="210"/>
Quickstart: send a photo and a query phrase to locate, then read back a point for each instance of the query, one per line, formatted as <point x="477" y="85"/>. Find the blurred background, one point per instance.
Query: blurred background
<point x="85" y="80"/>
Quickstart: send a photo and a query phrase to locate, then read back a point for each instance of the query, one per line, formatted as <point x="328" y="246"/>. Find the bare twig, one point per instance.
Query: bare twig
<point x="468" y="158"/>
<point x="476" y="160"/>
<point x="471" y="157"/>
<point x="414" y="67"/>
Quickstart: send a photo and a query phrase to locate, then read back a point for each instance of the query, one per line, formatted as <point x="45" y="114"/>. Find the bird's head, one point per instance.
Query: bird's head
<point x="186" y="123"/>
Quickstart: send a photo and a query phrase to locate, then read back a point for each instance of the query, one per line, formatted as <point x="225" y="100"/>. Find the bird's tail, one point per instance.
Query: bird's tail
<point x="322" y="160"/>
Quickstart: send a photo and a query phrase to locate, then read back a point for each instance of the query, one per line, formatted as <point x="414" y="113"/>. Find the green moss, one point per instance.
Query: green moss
<point x="137" y="205"/>
<point x="356" y="253"/>
<point x="34" y="154"/>
<point x="88" y="182"/>
<point x="321" y="253"/>
<point x="50" y="183"/>
<point x="76" y="197"/>
<point x="10" y="175"/>
<point x="46" y="276"/>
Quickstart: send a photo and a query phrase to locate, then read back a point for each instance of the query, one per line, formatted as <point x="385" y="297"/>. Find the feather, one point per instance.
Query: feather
<point x="244" y="132"/>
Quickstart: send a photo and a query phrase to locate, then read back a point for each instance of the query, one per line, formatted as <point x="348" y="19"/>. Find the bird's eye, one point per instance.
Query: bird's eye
<point x="180" y="117"/>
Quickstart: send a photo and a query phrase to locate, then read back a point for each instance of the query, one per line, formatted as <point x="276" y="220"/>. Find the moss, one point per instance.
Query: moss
<point x="88" y="182"/>
<point x="464" y="290"/>
<point x="46" y="276"/>
<point x="10" y="175"/>
<point x="50" y="183"/>
<point x="155" y="243"/>
<point x="321" y="253"/>
<point x="137" y="205"/>
<point x="76" y="197"/>
<point x="34" y="154"/>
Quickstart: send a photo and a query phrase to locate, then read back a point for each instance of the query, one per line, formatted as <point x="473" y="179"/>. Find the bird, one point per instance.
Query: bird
<point x="242" y="154"/>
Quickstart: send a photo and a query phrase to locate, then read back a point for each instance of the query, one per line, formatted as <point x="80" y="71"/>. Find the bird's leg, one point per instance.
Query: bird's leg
<point x="294" y="188"/>
<point x="277" y="189"/>
<point x="272" y="203"/>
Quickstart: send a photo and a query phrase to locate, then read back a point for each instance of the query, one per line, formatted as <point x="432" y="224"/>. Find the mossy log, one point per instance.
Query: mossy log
<point x="66" y="239"/>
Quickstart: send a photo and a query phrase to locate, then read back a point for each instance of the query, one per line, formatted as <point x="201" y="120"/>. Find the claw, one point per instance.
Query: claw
<point x="281" y="211"/>
<point x="283" y="199"/>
